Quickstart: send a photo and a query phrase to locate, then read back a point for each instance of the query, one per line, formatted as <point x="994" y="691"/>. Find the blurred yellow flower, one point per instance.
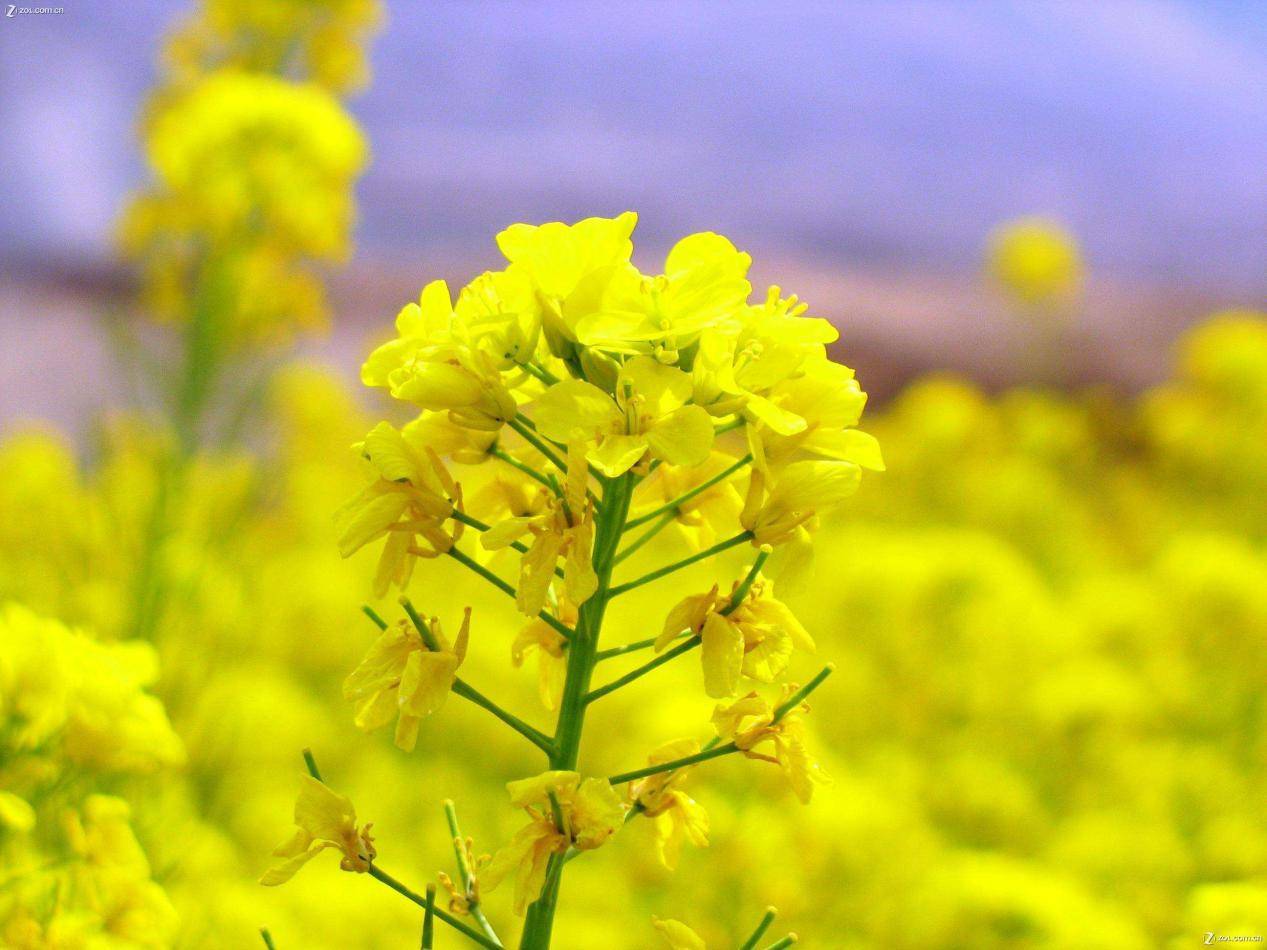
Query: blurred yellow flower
<point x="678" y="936"/>
<point x="1036" y="260"/>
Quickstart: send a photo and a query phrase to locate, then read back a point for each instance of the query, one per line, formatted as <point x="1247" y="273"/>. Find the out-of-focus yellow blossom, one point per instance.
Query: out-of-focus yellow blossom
<point x="409" y="503"/>
<point x="63" y="694"/>
<point x="1036" y="260"/>
<point x="551" y="649"/>
<point x="591" y="812"/>
<point x="323" y="40"/>
<point x="253" y="184"/>
<point x="114" y="876"/>
<point x="678" y="936"/>
<point x="749" y="723"/>
<point x="323" y="819"/>
<point x="564" y="528"/>
<point x="649" y="415"/>
<point x="675" y="815"/>
<point x="404" y="675"/>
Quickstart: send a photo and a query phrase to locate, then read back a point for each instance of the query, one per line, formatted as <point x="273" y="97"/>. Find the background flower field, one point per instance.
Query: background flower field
<point x="1048" y="616"/>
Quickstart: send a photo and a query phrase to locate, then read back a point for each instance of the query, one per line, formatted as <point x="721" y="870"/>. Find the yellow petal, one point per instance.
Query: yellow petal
<point x="617" y="454"/>
<point x="425" y="683"/>
<point x="684" y="437"/>
<point x="321" y="812"/>
<point x="595" y="814"/>
<point x="536" y="790"/>
<point x="722" y="656"/>
<point x="281" y="873"/>
<point x="382" y="665"/>
<point x="663" y="388"/>
<point x="687" y="614"/>
<point x="574" y="411"/>
<point x="678" y="936"/>
<point x="369" y="520"/>
<point x="537" y="572"/>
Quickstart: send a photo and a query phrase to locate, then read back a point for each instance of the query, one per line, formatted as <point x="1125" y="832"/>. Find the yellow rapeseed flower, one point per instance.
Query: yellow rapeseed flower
<point x="323" y="819"/>
<point x="404" y="675"/>
<point x="676" y="817"/>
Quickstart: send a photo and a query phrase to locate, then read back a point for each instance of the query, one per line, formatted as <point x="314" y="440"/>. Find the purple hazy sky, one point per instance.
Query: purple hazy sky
<point x="886" y="132"/>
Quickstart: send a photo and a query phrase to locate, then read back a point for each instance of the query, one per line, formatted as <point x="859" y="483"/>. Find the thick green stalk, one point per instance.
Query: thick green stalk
<point x="582" y="656"/>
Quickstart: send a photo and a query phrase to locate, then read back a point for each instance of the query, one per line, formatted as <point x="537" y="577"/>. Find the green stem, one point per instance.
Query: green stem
<point x="646" y="536"/>
<point x="380" y="875"/>
<point x="523" y="467"/>
<point x="783" y="944"/>
<point x="541" y="373"/>
<point x="469" y="692"/>
<point x="673" y="506"/>
<point x="716" y="751"/>
<point x="582" y="657"/>
<point x="537" y="443"/>
<point x="762" y="927"/>
<point x="559" y="627"/>
<point x="429" y="919"/>
<point x="466" y="874"/>
<point x="480" y="526"/>
<point x="267" y="938"/>
<point x="643" y="670"/>
<point x="685" y="562"/>
<point x="311" y="763"/>
<point x="627" y="648"/>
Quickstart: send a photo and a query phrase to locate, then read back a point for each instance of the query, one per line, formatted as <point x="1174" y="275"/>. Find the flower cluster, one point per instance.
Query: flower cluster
<point x="560" y="402"/>
<point x="73" y="710"/>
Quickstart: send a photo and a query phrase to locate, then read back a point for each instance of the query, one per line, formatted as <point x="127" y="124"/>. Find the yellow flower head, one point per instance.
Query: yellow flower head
<point x="675" y="815"/>
<point x="704" y="286"/>
<point x="590" y="812"/>
<point x="408" y="502"/>
<point x="648" y="415"/>
<point x="551" y="649"/>
<point x="323" y="819"/>
<point x="754" y="638"/>
<point x="406" y="674"/>
<point x="431" y="365"/>
<point x="783" y="504"/>
<point x="564" y="527"/>
<point x="749" y="723"/>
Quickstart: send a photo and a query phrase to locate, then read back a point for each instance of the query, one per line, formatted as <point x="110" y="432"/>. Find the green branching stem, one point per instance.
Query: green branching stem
<point x="528" y="435"/>
<point x="634" y="545"/>
<point x="643" y="670"/>
<point x="466" y="930"/>
<point x="557" y="625"/>
<point x="726" y="748"/>
<point x="675" y="505"/>
<point x="524" y="467"/>
<point x="429" y="919"/>
<point x="609" y="527"/>
<point x="466" y="874"/>
<point x="678" y="565"/>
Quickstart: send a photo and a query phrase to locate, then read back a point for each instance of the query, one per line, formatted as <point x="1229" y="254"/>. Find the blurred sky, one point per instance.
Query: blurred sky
<point x="867" y="132"/>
